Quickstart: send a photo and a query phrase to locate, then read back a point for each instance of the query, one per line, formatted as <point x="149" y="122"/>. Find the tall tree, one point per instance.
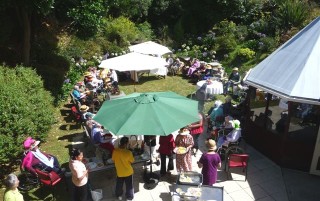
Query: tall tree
<point x="24" y="11"/>
<point x="87" y="16"/>
<point x="136" y="10"/>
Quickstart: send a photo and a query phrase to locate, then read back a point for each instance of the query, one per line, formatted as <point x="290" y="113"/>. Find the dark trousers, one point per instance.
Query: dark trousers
<point x="195" y="141"/>
<point x="80" y="193"/>
<point x="129" y="186"/>
<point x="226" y="87"/>
<point x="56" y="166"/>
<point x="200" y="105"/>
<point x="163" y="168"/>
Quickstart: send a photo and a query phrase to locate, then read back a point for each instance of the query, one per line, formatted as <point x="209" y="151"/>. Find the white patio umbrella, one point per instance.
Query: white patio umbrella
<point x="150" y="48"/>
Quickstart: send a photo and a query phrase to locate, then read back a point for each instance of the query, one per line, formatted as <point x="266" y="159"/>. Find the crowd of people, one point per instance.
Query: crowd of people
<point x="182" y="147"/>
<point x="93" y="83"/>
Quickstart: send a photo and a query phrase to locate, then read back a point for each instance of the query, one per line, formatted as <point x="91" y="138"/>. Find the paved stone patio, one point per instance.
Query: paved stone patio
<point x="266" y="181"/>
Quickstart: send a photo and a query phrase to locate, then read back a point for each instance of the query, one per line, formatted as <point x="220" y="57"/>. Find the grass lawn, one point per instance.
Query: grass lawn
<point x="60" y="136"/>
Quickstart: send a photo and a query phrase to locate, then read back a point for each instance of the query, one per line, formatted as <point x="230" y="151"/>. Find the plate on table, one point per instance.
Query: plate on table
<point x="100" y="165"/>
<point x="181" y="150"/>
<point x="110" y="161"/>
<point x="91" y="165"/>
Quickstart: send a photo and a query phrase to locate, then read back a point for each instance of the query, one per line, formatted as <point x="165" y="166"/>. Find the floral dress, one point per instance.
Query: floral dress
<point x="184" y="161"/>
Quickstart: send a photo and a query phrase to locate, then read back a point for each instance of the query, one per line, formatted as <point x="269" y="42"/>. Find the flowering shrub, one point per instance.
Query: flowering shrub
<point x="201" y="47"/>
<point x="246" y="54"/>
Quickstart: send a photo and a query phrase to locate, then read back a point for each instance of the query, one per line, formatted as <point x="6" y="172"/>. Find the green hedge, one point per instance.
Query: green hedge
<point x="26" y="110"/>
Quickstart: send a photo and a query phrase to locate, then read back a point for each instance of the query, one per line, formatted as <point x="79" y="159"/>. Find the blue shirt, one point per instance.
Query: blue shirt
<point x="76" y="94"/>
<point x="96" y="135"/>
<point x="215" y="113"/>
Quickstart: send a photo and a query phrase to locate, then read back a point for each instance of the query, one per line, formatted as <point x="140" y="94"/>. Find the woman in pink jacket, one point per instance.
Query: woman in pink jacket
<point x="79" y="176"/>
<point x="34" y="158"/>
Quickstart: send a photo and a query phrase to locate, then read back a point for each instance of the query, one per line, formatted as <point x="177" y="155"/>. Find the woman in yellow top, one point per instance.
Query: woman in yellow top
<point x="12" y="193"/>
<point x="123" y="158"/>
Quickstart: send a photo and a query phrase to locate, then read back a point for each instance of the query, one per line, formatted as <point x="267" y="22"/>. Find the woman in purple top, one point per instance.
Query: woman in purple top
<point x="210" y="162"/>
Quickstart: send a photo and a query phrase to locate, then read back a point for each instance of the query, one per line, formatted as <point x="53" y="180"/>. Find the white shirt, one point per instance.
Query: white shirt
<point x="114" y="76"/>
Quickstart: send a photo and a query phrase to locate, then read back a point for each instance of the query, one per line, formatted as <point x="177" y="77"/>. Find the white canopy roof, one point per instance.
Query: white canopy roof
<point x="150" y="48"/>
<point x="292" y="72"/>
<point x="214" y="63"/>
<point x="133" y="62"/>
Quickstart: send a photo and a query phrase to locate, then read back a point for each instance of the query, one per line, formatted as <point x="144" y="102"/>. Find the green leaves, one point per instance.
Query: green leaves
<point x="292" y="13"/>
<point x="26" y="109"/>
<point x="87" y="16"/>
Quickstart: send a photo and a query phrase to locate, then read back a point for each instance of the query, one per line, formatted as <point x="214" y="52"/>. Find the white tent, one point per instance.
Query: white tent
<point x="133" y="62"/>
<point x="292" y="72"/>
<point x="150" y="48"/>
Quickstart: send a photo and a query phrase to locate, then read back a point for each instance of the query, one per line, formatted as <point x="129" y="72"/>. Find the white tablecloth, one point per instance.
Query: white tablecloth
<point x="215" y="87"/>
<point x="160" y="71"/>
<point x="157" y="71"/>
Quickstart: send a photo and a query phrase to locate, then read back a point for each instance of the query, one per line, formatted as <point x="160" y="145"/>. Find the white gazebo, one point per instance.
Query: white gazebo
<point x="135" y="62"/>
<point x="292" y="72"/>
<point x="150" y="47"/>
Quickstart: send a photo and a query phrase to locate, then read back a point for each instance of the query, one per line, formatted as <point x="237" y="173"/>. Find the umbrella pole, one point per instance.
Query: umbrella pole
<point x="134" y="81"/>
<point x="150" y="159"/>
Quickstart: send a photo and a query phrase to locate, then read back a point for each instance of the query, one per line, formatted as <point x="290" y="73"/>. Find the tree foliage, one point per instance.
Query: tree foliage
<point x="132" y="9"/>
<point x="26" y="109"/>
<point x="23" y="12"/>
<point x="87" y="16"/>
<point x="291" y="13"/>
<point x="121" y="31"/>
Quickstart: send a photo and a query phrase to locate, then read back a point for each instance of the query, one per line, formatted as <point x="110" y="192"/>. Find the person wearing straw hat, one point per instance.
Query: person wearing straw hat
<point x="184" y="143"/>
<point x="84" y="112"/>
<point x="220" y="72"/>
<point x="208" y="72"/>
<point x="210" y="162"/>
<point x="234" y="79"/>
<point x="37" y="159"/>
<point x="86" y="76"/>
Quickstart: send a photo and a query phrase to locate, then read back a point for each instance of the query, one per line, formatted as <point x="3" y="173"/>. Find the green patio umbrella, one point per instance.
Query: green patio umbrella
<point x="152" y="113"/>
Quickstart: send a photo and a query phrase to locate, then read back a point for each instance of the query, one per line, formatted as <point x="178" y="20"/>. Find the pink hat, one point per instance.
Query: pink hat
<point x="30" y="143"/>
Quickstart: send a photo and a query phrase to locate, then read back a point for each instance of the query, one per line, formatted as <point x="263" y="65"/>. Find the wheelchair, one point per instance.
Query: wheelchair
<point x="231" y="148"/>
<point x="28" y="180"/>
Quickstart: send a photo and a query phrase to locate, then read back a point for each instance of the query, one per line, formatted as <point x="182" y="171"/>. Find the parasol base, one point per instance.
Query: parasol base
<point x="151" y="180"/>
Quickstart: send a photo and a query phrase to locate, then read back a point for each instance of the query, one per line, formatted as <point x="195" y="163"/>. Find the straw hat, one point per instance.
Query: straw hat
<point x="235" y="69"/>
<point x="84" y="108"/>
<point x="86" y="74"/>
<point x="208" y="66"/>
<point x="211" y="144"/>
<point x="184" y="131"/>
